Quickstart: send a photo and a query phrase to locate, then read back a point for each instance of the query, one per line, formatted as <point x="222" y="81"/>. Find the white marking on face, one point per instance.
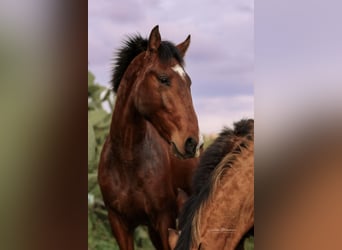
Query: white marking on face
<point x="178" y="69"/>
<point x="199" y="145"/>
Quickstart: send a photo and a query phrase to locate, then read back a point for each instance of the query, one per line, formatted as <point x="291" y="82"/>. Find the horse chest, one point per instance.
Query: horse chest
<point x="135" y="191"/>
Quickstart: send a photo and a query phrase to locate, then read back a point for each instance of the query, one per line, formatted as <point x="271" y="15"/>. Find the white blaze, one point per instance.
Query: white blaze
<point x="178" y="69"/>
<point x="200" y="143"/>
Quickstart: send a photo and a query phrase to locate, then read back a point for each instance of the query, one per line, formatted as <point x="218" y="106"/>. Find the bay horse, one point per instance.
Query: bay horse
<point x="153" y="140"/>
<point x="221" y="210"/>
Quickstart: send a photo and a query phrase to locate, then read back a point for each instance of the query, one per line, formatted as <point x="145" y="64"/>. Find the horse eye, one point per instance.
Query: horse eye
<point x="164" y="80"/>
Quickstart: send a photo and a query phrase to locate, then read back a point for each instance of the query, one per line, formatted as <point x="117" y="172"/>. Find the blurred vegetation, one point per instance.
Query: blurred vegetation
<point x="208" y="139"/>
<point x="249" y="243"/>
<point x="100" y="106"/>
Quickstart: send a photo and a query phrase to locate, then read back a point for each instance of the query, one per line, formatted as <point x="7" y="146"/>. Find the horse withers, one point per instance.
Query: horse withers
<point x="153" y="139"/>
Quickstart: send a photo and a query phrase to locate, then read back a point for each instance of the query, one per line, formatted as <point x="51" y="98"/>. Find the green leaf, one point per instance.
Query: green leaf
<point x="95" y="92"/>
<point x="91" y="105"/>
<point x="91" y="145"/>
<point x="97" y="116"/>
<point x="104" y="124"/>
<point x="249" y="243"/>
<point x="91" y="79"/>
<point x="92" y="181"/>
<point x="107" y="95"/>
<point x="92" y="89"/>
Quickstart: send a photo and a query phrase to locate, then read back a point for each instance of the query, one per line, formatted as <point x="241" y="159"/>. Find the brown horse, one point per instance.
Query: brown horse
<point x="221" y="210"/>
<point x="152" y="142"/>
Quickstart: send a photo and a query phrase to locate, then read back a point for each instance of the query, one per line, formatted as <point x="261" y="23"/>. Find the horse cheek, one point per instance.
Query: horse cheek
<point x="146" y="101"/>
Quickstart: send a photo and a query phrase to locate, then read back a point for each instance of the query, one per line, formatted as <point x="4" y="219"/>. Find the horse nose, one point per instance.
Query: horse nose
<point x="190" y="146"/>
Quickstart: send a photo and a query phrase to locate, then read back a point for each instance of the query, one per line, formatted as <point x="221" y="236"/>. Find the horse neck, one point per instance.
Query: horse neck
<point x="128" y="126"/>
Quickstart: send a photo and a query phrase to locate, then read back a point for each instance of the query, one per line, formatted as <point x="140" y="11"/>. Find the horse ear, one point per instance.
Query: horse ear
<point x="183" y="47"/>
<point x="154" y="39"/>
<point x="173" y="238"/>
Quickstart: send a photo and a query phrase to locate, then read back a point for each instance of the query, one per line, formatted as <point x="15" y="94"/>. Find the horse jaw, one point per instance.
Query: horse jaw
<point x="176" y="152"/>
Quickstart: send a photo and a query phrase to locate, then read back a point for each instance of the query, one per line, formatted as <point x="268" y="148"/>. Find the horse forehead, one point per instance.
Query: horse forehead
<point x="179" y="70"/>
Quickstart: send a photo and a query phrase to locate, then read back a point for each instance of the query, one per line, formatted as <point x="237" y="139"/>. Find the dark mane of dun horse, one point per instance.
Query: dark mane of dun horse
<point x="221" y="209"/>
<point x="152" y="142"/>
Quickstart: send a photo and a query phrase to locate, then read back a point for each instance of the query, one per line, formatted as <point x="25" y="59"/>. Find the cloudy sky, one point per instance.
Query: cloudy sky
<point x="220" y="59"/>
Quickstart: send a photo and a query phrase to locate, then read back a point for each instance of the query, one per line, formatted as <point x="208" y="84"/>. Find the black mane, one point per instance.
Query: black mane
<point x="212" y="156"/>
<point x="132" y="47"/>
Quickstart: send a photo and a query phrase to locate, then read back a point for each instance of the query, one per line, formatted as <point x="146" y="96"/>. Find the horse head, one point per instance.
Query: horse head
<point x="163" y="95"/>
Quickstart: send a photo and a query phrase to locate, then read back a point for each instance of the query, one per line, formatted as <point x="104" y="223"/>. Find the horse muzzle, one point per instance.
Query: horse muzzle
<point x="191" y="148"/>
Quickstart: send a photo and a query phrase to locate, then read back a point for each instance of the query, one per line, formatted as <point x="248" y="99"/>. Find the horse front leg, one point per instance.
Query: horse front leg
<point x="121" y="231"/>
<point x="159" y="232"/>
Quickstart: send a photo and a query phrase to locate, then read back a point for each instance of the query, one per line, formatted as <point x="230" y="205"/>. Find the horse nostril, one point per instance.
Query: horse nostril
<point x="190" y="146"/>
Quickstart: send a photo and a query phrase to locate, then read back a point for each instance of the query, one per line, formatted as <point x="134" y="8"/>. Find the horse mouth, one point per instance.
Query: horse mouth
<point x="178" y="154"/>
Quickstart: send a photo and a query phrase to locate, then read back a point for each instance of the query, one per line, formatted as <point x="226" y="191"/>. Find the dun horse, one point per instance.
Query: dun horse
<point x="221" y="210"/>
<point x="153" y="139"/>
